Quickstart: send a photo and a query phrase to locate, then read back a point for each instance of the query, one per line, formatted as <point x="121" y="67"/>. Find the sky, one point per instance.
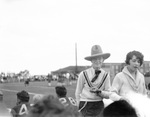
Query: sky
<point x="41" y="35"/>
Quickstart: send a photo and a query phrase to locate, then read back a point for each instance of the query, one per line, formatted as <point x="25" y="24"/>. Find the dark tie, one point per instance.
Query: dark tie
<point x="97" y="72"/>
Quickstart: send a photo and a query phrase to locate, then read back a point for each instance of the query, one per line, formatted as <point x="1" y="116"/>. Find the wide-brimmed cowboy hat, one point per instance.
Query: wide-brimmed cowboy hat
<point x="96" y="52"/>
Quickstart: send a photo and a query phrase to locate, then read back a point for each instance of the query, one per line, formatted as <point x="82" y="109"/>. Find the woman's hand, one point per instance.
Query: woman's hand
<point x="96" y="91"/>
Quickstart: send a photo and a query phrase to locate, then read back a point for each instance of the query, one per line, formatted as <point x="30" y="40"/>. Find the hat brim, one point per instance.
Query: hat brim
<point x="104" y="56"/>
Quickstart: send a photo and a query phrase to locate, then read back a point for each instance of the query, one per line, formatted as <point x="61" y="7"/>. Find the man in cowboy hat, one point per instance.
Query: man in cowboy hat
<point x="93" y="84"/>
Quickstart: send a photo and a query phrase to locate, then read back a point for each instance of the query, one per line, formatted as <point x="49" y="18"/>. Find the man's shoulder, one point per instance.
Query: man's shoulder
<point x="120" y="74"/>
<point x="17" y="107"/>
<point x="21" y="109"/>
<point x="87" y="71"/>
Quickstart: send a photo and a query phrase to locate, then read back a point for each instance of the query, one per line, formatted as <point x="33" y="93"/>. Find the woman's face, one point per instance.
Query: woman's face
<point x="134" y="64"/>
<point x="97" y="63"/>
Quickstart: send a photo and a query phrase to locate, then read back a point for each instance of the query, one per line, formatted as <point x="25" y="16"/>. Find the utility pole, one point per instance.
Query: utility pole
<point x="76" y="57"/>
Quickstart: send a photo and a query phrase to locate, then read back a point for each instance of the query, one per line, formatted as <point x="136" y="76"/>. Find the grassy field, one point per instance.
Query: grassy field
<point x="40" y="87"/>
<point x="10" y="89"/>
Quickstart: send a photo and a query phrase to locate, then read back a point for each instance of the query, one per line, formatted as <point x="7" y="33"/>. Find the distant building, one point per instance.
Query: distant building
<point x="111" y="68"/>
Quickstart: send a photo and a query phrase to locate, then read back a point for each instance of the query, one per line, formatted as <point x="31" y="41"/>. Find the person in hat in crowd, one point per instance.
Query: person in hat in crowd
<point x="93" y="84"/>
<point x="61" y="80"/>
<point x="22" y="106"/>
<point x="1" y="96"/>
<point x="49" y="79"/>
<point x="26" y="82"/>
<point x="50" y="106"/>
<point x="120" y="108"/>
<point x="130" y="79"/>
<point x="61" y="92"/>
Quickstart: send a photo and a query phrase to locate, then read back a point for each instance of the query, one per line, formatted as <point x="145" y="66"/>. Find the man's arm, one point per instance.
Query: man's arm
<point x="79" y="87"/>
<point x="116" y="85"/>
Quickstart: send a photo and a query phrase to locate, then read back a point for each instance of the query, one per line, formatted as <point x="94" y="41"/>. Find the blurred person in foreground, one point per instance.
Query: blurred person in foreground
<point x="61" y="92"/>
<point x="4" y="111"/>
<point x="50" y="106"/>
<point x="130" y="79"/>
<point x="22" y="106"/>
<point x="131" y="104"/>
<point x="93" y="84"/>
<point x="37" y="98"/>
<point x="140" y="102"/>
<point x="120" y="108"/>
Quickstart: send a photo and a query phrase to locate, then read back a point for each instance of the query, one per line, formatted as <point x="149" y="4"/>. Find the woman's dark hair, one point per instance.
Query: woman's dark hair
<point x="119" y="108"/>
<point x="138" y="54"/>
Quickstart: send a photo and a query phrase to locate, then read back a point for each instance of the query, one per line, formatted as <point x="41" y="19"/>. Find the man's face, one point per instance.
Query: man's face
<point x="18" y="101"/>
<point x="134" y="63"/>
<point x="97" y="63"/>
